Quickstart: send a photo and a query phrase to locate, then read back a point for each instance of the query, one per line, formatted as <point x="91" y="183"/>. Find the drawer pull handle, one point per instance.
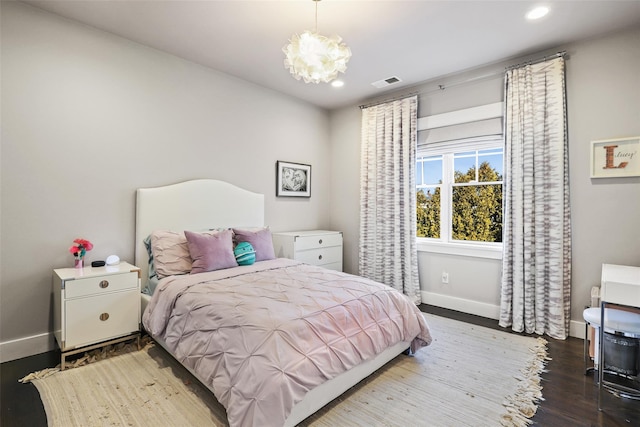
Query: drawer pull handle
<point x="319" y="256"/>
<point x="320" y="241"/>
<point x="104" y="316"/>
<point x="104" y="284"/>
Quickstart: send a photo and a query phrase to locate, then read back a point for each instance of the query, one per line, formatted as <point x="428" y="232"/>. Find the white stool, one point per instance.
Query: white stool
<point x="619" y="322"/>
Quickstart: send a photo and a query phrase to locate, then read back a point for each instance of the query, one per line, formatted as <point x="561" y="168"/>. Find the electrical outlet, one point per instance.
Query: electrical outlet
<point x="445" y="277"/>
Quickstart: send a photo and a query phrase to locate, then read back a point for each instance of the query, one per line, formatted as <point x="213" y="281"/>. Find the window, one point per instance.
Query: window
<point x="459" y="192"/>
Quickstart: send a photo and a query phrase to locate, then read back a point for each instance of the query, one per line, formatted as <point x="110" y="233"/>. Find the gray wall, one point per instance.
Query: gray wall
<point x="603" y="86"/>
<point x="603" y="89"/>
<point x="88" y="117"/>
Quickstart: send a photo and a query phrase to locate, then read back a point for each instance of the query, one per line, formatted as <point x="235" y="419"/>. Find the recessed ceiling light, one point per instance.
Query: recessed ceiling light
<point x="337" y="83"/>
<point x="537" y="12"/>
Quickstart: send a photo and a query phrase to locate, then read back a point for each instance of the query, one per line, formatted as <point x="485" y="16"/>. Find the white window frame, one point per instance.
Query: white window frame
<point x="444" y="245"/>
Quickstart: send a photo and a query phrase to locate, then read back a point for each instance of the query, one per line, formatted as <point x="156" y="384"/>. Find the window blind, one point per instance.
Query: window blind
<point x="478" y="135"/>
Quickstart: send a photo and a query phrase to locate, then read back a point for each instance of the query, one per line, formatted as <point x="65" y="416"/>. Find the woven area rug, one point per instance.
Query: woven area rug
<point x="469" y="376"/>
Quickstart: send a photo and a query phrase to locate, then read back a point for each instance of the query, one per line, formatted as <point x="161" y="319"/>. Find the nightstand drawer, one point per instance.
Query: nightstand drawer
<point x="318" y="241"/>
<point x="320" y="256"/>
<point x="101" y="284"/>
<point x="101" y="317"/>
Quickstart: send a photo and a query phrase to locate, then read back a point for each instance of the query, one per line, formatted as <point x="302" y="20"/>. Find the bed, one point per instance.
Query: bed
<point x="303" y="375"/>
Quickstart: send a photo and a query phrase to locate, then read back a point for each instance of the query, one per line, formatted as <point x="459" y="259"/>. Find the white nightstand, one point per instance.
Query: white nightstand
<point x="95" y="306"/>
<point x="317" y="247"/>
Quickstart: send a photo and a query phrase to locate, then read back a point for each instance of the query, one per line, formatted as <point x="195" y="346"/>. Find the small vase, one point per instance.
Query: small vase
<point x="78" y="262"/>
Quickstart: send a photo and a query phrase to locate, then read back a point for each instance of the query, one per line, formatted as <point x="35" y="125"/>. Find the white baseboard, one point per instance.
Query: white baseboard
<point x="460" y="304"/>
<point x="28" y="346"/>
<point x="490" y="311"/>
<point x="576" y="329"/>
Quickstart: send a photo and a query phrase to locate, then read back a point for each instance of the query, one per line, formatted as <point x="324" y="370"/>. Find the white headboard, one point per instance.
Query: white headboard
<point x="196" y="205"/>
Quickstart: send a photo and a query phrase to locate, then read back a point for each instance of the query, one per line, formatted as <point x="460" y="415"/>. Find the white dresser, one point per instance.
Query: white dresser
<point x="316" y="247"/>
<point x="95" y="306"/>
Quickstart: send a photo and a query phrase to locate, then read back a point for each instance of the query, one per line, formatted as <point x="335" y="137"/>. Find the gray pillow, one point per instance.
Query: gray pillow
<point x="210" y="252"/>
<point x="152" y="279"/>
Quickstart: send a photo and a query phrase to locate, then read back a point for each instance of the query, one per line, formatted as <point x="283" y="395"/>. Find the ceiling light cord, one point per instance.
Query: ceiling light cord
<point x="316" y="2"/>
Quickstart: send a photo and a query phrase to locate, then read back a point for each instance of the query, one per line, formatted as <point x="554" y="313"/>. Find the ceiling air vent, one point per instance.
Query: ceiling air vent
<point x="386" y="82"/>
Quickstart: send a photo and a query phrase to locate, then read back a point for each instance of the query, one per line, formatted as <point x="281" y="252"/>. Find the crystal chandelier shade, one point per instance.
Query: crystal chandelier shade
<point x="314" y="57"/>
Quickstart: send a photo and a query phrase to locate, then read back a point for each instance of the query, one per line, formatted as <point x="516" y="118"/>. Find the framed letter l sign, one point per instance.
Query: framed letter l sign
<point x="613" y="158"/>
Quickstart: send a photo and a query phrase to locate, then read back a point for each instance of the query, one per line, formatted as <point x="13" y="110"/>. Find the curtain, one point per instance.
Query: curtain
<point x="536" y="264"/>
<point x="388" y="247"/>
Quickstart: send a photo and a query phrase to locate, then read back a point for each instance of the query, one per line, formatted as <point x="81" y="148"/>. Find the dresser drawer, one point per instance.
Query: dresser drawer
<point x="318" y="241"/>
<point x="316" y="247"/>
<point x="337" y="266"/>
<point x="320" y="256"/>
<point x="100" y="285"/>
<point x="101" y="317"/>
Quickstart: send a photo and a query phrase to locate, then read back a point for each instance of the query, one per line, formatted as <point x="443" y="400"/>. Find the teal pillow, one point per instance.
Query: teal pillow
<point x="245" y="254"/>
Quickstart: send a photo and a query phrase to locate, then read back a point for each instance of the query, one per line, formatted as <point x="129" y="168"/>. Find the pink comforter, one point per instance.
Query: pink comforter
<point x="262" y="336"/>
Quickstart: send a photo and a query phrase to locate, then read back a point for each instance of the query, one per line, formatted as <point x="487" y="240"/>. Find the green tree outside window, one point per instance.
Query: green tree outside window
<point x="476" y="207"/>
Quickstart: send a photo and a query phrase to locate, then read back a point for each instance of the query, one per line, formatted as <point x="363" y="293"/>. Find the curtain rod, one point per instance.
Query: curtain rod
<point x="394" y="98"/>
<point x="461" y="82"/>
<point x="437" y="89"/>
<point x="538" y="60"/>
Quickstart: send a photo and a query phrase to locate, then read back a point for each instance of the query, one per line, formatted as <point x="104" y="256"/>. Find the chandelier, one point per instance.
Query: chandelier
<point x="314" y="57"/>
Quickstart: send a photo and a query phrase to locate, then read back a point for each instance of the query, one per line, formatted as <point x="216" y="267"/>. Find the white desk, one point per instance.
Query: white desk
<point x="620" y="286"/>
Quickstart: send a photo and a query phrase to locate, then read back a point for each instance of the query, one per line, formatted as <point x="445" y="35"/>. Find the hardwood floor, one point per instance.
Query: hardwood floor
<point x="570" y="396"/>
<point x="20" y="403"/>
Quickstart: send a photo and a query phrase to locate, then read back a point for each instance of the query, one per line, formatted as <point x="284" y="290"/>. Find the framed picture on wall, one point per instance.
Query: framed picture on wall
<point x="293" y="179"/>
<point x="615" y="158"/>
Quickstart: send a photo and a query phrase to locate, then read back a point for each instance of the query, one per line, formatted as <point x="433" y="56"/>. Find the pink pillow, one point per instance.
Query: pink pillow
<point x="170" y="253"/>
<point x="211" y="251"/>
<point x="260" y="239"/>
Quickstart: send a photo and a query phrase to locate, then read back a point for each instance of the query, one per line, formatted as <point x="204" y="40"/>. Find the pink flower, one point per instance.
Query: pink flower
<point x="80" y="248"/>
<point x="84" y="244"/>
